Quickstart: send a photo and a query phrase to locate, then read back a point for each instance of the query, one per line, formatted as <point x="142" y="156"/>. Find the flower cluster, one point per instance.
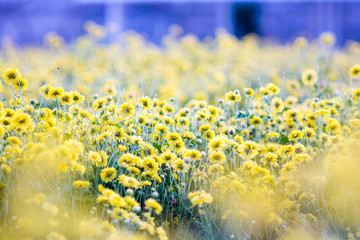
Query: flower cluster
<point x="258" y="161"/>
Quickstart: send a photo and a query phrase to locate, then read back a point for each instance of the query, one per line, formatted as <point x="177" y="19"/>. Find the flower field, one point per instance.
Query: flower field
<point x="214" y="139"/>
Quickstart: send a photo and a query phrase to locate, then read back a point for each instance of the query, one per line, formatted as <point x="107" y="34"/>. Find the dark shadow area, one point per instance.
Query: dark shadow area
<point x="246" y="19"/>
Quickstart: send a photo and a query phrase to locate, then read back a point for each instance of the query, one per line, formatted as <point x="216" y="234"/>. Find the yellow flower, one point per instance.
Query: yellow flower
<point x="296" y="134"/>
<point x="272" y="89"/>
<point x="11" y="75"/>
<point x="249" y="92"/>
<point x="216" y="144"/>
<point x="81" y="184"/>
<point x="355" y="71"/>
<point x="129" y="181"/>
<point x="99" y="159"/>
<point x="168" y="156"/>
<point x="278" y="104"/>
<point x="6" y="168"/>
<point x="167" y="108"/>
<point x="270" y="158"/>
<point x="56" y="92"/>
<point x="129" y="160"/>
<point x="126" y="109"/>
<point x="178" y="165"/>
<point x="45" y="90"/>
<point x="152" y="204"/>
<point x="217" y="157"/>
<point x="14" y="140"/>
<point x="309" y="133"/>
<point x="256" y="121"/>
<point x="199" y="198"/>
<point x="161" y="233"/>
<point x="78" y="167"/>
<point x="108" y="174"/>
<point x="233" y="97"/>
<point x="20" y="83"/>
<point x="273" y="134"/>
<point x="248" y="149"/>
<point x="150" y="164"/>
<point x="173" y="137"/>
<point x="99" y="104"/>
<point x="21" y="121"/>
<point x="146" y="102"/>
<point x="110" y="89"/>
<point x="327" y="38"/>
<point x="193" y="154"/>
<point x="309" y="77"/>
<point x="55" y="236"/>
<point x="77" y="97"/>
<point x="66" y="98"/>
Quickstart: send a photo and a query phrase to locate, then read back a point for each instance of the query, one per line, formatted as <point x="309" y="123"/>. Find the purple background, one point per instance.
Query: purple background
<point x="27" y="21"/>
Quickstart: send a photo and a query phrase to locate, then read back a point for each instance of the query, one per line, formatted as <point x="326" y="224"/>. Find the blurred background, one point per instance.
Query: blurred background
<point x="27" y="21"/>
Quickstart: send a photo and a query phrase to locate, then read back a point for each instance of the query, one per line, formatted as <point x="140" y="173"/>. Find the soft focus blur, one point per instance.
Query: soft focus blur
<point x="27" y="21"/>
<point x="197" y="120"/>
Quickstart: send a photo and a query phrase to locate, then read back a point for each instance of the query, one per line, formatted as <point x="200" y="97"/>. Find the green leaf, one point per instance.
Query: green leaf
<point x="67" y="136"/>
<point x="284" y="139"/>
<point x="157" y="146"/>
<point x="285" y="109"/>
<point x="349" y="102"/>
<point x="67" y="118"/>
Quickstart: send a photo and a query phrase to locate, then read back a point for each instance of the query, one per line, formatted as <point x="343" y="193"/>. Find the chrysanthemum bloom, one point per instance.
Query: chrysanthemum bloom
<point x="249" y="92"/>
<point x="77" y="97"/>
<point x="129" y="159"/>
<point x="11" y="75"/>
<point x="199" y="198"/>
<point x="256" y="121"/>
<point x="97" y="159"/>
<point x="127" y="181"/>
<point x="110" y="89"/>
<point x="66" y="99"/>
<point x="270" y="158"/>
<point x="21" y="121"/>
<point x="233" y="97"/>
<point x="167" y="108"/>
<point x="108" y="174"/>
<point x="295" y="135"/>
<point x="193" y="154"/>
<point x="178" y="165"/>
<point x="146" y="102"/>
<point x="355" y="71"/>
<point x="278" y="104"/>
<point x="309" y="77"/>
<point x="217" y="143"/>
<point x="20" y="83"/>
<point x="309" y="133"/>
<point x="126" y="109"/>
<point x="81" y="184"/>
<point x="173" y="137"/>
<point x="56" y="92"/>
<point x="154" y="205"/>
<point x="45" y="90"/>
<point x="149" y="164"/>
<point x="99" y="104"/>
<point x="272" y="89"/>
<point x="248" y="149"/>
<point x="217" y="157"/>
<point x="328" y="38"/>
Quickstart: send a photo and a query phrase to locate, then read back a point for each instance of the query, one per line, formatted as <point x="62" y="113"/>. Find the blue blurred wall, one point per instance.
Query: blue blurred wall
<point x="26" y="21"/>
